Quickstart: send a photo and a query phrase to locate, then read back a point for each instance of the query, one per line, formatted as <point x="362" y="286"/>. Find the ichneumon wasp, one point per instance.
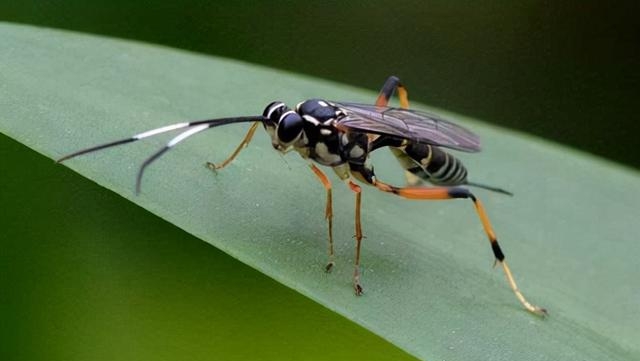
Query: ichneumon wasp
<point x="341" y="136"/>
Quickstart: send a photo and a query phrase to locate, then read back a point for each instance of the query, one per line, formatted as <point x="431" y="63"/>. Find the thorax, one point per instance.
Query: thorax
<point x="323" y="141"/>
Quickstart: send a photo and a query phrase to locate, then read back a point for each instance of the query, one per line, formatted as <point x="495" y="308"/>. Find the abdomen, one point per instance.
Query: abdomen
<point x="431" y="164"/>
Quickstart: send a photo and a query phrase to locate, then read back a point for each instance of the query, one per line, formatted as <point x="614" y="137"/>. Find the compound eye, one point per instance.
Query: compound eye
<point x="290" y="127"/>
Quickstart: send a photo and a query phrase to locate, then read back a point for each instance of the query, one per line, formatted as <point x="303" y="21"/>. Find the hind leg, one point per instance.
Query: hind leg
<point x="392" y="84"/>
<point x="442" y="193"/>
<point x="343" y="171"/>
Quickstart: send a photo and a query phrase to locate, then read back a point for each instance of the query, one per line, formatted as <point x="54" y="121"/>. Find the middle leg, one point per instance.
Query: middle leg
<point x="344" y="171"/>
<point x="358" y="236"/>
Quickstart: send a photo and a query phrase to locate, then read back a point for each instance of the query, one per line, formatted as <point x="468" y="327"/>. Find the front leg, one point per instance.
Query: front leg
<point x="328" y="212"/>
<point x="245" y="142"/>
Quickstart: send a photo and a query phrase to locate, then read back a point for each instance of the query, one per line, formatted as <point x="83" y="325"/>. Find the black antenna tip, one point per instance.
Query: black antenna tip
<point x="96" y="148"/>
<point x="490" y="188"/>
<point x="139" y="180"/>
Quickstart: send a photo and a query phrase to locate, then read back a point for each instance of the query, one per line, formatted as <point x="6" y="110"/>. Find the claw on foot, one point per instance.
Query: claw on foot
<point x="539" y="311"/>
<point x="356" y="282"/>
<point x="212" y="166"/>
<point x="329" y="266"/>
<point x="358" y="289"/>
<point x="514" y="287"/>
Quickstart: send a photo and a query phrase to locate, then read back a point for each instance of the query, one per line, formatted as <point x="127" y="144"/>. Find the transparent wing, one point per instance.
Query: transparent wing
<point x="417" y="126"/>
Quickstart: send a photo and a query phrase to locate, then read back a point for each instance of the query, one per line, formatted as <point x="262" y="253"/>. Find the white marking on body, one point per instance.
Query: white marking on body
<point x="454" y="168"/>
<point x="303" y="140"/>
<point x="425" y="161"/>
<point x="323" y="153"/>
<point x="184" y="135"/>
<point x="455" y="175"/>
<point x="160" y="130"/>
<point x="461" y="177"/>
<point x="324" y="131"/>
<point x="273" y="108"/>
<point x="323" y="103"/>
<point x="356" y="152"/>
<point x="285" y="114"/>
<point x="438" y="174"/>
<point x="311" y="119"/>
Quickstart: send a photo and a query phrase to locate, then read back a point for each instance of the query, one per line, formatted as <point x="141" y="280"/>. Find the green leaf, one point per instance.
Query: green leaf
<point x="570" y="233"/>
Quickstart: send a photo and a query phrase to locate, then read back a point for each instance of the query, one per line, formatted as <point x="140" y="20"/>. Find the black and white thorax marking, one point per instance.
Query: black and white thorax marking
<point x="310" y="130"/>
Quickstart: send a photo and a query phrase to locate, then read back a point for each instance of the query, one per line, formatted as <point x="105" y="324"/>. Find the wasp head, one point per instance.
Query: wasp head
<point x="284" y="125"/>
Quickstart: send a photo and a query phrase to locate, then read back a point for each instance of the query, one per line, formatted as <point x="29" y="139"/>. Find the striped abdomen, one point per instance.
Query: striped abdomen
<point x="431" y="164"/>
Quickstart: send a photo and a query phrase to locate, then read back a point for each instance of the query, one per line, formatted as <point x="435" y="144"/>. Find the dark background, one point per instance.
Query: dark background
<point x="567" y="71"/>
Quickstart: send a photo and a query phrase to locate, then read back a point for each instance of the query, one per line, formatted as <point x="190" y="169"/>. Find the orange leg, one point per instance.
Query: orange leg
<point x="392" y="84"/>
<point x="328" y="212"/>
<point x="436" y="193"/>
<point x="245" y="141"/>
<point x="358" y="236"/>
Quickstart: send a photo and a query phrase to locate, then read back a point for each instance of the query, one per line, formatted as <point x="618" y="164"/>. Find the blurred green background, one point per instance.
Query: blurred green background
<point x="564" y="70"/>
<point x="567" y="71"/>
